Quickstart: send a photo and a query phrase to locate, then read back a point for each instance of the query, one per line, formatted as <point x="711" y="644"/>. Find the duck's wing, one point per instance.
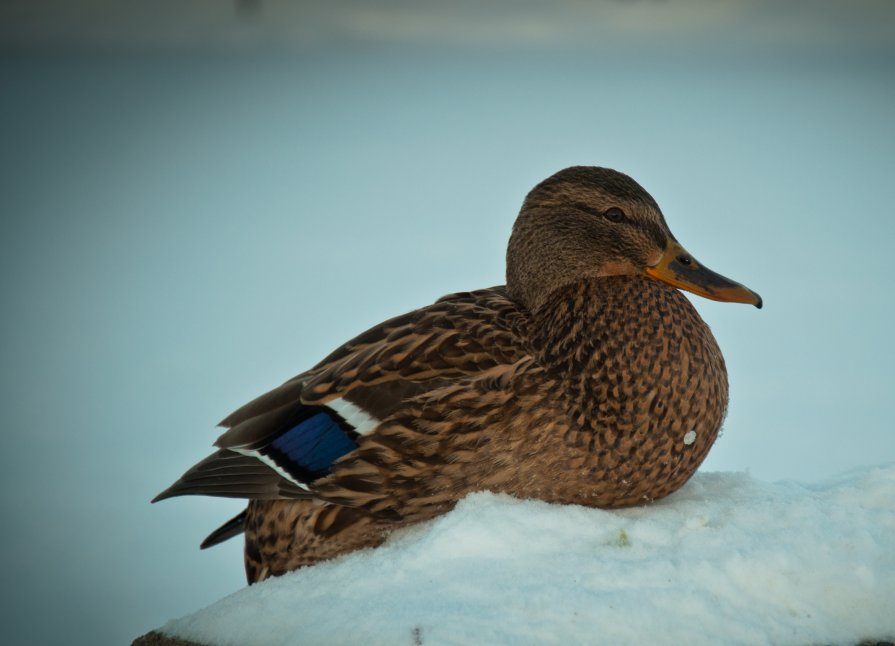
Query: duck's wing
<point x="279" y="444"/>
<point x="442" y="444"/>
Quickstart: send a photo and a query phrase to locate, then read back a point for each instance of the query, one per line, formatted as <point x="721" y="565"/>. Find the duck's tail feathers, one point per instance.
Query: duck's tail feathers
<point x="233" y="527"/>
<point x="232" y="475"/>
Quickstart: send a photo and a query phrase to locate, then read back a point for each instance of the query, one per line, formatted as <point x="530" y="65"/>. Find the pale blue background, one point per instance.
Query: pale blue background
<point x="200" y="201"/>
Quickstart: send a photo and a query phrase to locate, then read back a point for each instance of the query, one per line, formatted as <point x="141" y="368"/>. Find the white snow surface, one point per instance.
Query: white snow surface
<point x="726" y="560"/>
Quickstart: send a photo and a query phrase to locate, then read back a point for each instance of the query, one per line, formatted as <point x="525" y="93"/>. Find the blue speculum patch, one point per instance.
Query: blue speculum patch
<point x="309" y="448"/>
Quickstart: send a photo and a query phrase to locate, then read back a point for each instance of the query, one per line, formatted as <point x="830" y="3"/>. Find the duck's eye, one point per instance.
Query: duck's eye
<point x="614" y="214"/>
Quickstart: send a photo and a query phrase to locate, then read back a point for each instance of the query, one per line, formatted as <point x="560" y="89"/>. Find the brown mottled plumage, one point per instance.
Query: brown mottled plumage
<point x="588" y="379"/>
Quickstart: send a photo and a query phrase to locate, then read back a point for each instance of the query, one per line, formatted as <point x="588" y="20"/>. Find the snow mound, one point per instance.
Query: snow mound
<point x="728" y="559"/>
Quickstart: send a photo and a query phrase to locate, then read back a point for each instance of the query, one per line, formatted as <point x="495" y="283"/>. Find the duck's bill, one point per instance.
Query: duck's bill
<point x="680" y="269"/>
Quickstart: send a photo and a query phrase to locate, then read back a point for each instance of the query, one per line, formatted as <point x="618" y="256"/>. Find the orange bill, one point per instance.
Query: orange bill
<point x="678" y="268"/>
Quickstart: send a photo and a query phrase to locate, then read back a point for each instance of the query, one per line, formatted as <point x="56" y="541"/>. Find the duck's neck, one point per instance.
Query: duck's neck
<point x="590" y="326"/>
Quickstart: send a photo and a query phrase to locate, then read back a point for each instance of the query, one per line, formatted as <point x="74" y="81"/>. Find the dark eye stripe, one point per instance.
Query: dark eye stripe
<point x="614" y="214"/>
<point x="588" y="209"/>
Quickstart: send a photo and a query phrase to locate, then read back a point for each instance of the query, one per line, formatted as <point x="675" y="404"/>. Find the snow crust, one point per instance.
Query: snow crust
<point x="726" y="560"/>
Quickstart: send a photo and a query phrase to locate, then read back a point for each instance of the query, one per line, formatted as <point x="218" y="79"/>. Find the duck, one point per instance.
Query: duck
<point x="587" y="379"/>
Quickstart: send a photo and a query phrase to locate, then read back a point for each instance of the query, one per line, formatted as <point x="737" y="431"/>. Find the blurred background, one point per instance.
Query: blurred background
<point x="201" y="199"/>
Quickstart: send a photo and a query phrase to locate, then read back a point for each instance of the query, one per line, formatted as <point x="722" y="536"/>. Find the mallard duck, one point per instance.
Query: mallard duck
<point x="587" y="379"/>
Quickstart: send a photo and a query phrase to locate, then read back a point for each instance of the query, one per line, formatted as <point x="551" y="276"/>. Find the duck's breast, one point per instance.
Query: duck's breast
<point x="643" y="386"/>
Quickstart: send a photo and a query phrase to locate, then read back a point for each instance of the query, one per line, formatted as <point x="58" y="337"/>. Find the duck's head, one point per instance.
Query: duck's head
<point x="588" y="222"/>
